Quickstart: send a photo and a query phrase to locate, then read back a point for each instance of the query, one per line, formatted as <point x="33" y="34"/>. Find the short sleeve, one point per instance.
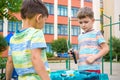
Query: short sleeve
<point x="38" y="40"/>
<point x="100" y="38"/>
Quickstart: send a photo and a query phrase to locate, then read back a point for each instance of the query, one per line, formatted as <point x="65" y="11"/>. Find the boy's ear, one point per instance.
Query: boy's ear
<point x="93" y="19"/>
<point x="38" y="18"/>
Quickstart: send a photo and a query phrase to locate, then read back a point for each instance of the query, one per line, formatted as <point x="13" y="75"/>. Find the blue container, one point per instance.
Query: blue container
<point x="63" y="75"/>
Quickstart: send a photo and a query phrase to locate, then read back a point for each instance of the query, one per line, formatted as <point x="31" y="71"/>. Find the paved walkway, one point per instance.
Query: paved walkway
<point x="115" y="71"/>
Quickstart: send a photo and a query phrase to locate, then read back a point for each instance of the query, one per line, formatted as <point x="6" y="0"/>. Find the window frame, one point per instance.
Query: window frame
<point x="48" y="29"/>
<point x="75" y="30"/>
<point x="62" y="30"/>
<point x="62" y="10"/>
<point x="50" y="8"/>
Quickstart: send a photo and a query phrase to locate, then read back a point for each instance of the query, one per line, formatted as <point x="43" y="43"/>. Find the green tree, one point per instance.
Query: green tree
<point x="60" y="45"/>
<point x="9" y="6"/>
<point x="115" y="49"/>
<point x="3" y="44"/>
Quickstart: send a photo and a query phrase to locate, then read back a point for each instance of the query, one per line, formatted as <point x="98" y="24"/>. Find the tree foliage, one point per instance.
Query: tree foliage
<point x="115" y="49"/>
<point x="9" y="6"/>
<point x="116" y="44"/>
<point x="60" y="45"/>
<point x="3" y="44"/>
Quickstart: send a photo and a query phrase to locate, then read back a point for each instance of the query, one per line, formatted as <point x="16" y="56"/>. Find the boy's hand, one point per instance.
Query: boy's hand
<point x="70" y="52"/>
<point x="91" y="59"/>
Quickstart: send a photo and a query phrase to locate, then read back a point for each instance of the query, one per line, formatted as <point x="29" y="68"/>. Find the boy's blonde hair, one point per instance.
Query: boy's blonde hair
<point x="85" y="12"/>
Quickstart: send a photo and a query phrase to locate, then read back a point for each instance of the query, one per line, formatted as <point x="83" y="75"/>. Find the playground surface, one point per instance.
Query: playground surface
<point x="115" y="68"/>
<point x="62" y="66"/>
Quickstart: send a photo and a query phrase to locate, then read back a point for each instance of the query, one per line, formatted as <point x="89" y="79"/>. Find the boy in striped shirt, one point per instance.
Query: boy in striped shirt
<point x="92" y="45"/>
<point x="27" y="46"/>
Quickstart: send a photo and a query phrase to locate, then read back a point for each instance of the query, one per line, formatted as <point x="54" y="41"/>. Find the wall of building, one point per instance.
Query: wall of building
<point x="61" y="20"/>
<point x="64" y="19"/>
<point x="96" y="10"/>
<point x="111" y="8"/>
<point x="116" y="18"/>
<point x="109" y="11"/>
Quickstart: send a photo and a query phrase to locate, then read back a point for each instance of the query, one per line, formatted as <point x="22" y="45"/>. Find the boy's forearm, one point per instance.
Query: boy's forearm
<point x="101" y="54"/>
<point x="9" y="70"/>
<point x="40" y="68"/>
<point x="91" y="59"/>
<point x="103" y="51"/>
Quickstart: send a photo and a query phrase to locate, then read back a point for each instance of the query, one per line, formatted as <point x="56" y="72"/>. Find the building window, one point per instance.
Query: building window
<point x="74" y="11"/>
<point x="50" y="8"/>
<point x="88" y="0"/>
<point x="18" y="25"/>
<point x="49" y="48"/>
<point x="75" y="30"/>
<point x="1" y="25"/>
<point x="48" y="29"/>
<point x="75" y="46"/>
<point x="13" y="26"/>
<point x="62" y="30"/>
<point x="62" y="10"/>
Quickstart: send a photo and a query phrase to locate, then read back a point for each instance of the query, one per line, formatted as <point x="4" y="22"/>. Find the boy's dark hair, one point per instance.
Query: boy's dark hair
<point x="85" y="12"/>
<point x="32" y="7"/>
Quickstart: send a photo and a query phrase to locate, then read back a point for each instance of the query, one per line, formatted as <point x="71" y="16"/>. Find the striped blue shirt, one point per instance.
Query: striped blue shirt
<point x="89" y="44"/>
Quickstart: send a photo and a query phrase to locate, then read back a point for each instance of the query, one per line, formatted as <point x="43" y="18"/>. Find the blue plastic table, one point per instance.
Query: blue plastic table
<point x="77" y="75"/>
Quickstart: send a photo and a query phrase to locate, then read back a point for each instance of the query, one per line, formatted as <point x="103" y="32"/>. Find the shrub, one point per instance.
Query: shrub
<point x="49" y="55"/>
<point x="60" y="45"/>
<point x="3" y="44"/>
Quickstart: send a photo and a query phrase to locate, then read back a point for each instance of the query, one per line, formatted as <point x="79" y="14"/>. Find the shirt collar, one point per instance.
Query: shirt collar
<point x="87" y="31"/>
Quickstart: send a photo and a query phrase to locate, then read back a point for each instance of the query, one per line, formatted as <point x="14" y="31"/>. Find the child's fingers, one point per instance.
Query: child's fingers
<point x="90" y="60"/>
<point x="70" y="51"/>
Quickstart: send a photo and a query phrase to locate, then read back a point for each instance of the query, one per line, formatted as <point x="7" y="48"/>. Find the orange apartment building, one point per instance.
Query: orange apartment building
<point x="60" y="11"/>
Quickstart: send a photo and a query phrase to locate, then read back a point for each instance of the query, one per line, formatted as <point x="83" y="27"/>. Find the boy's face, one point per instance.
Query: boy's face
<point x="86" y="23"/>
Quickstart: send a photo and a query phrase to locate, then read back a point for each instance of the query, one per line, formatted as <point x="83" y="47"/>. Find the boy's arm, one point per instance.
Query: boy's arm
<point x="104" y="50"/>
<point x="39" y="65"/>
<point x="9" y="68"/>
